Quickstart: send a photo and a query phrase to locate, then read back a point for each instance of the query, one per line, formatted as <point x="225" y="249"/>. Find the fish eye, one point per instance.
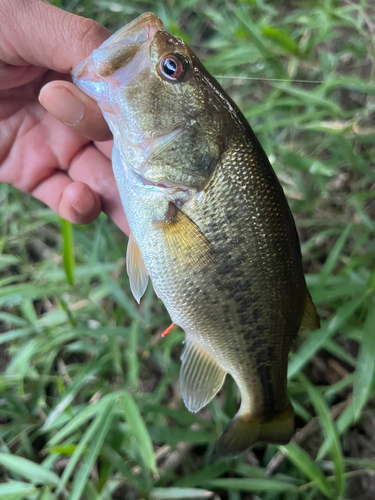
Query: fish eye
<point x="172" y="67"/>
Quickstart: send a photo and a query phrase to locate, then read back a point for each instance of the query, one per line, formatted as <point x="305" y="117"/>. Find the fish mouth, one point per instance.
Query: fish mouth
<point x="126" y="45"/>
<point x="176" y="195"/>
<point x="159" y="185"/>
<point x="148" y="184"/>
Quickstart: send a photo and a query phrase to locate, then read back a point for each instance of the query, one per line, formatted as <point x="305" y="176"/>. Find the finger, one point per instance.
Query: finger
<point x="79" y="203"/>
<point x="105" y="148"/>
<point x="43" y="35"/>
<point x="73" y="201"/>
<point x="15" y="76"/>
<point x="101" y="180"/>
<point x="74" y="108"/>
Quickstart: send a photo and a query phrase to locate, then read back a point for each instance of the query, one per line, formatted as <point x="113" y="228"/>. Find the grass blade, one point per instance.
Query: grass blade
<point x="132" y="356"/>
<point x="180" y="494"/>
<point x="84" y="470"/>
<point x="85" y="375"/>
<point x="280" y="37"/>
<point x="334" y="254"/>
<point x="345" y="420"/>
<point x="330" y="432"/>
<point x="93" y="430"/>
<point x="317" y="339"/>
<point x="15" y="294"/>
<point x="364" y="374"/>
<point x="68" y="250"/>
<point x="211" y="471"/>
<point x="14" y="490"/>
<point x="139" y="430"/>
<point x="117" y="461"/>
<point x="80" y="419"/>
<point x="307" y="466"/>
<point x="35" y="473"/>
<point x="362" y="385"/>
<point x="251" y="484"/>
<point x="45" y="494"/>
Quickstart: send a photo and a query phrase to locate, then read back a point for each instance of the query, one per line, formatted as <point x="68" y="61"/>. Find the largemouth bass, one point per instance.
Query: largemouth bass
<point x="209" y="223"/>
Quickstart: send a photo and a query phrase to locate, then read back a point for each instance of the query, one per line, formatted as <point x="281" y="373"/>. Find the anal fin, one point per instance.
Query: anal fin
<point x="137" y="271"/>
<point x="201" y="377"/>
<point x="310" y="318"/>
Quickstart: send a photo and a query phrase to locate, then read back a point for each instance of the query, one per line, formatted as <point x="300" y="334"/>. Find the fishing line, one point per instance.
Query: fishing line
<point x="267" y="79"/>
<point x="316" y="82"/>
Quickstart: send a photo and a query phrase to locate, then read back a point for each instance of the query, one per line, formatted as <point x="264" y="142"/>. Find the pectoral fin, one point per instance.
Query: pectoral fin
<point x="310" y="318"/>
<point x="137" y="272"/>
<point x="186" y="242"/>
<point x="201" y="377"/>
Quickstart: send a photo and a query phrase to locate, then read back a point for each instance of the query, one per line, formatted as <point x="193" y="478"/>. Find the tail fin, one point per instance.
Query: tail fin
<point x="244" y="430"/>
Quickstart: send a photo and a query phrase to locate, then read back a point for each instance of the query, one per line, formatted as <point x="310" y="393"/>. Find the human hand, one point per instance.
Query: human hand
<point x="59" y="163"/>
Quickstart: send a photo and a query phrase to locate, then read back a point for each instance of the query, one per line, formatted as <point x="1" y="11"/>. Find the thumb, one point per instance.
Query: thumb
<point x="40" y="34"/>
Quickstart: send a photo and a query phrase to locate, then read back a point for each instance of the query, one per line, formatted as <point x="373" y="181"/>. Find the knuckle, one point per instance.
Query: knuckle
<point x="88" y="33"/>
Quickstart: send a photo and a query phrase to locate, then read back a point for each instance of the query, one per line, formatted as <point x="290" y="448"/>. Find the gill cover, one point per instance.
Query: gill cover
<point x="157" y="99"/>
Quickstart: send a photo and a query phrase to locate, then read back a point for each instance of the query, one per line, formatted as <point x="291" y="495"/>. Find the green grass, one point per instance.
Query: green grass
<point x="90" y="406"/>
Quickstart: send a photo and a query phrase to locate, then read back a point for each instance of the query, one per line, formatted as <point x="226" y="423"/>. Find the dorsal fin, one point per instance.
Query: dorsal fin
<point x="310" y="318"/>
<point x="137" y="271"/>
<point x="201" y="377"/>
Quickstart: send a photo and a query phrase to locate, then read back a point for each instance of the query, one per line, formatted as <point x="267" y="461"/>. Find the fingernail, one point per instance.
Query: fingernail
<point x="85" y="202"/>
<point x="62" y="104"/>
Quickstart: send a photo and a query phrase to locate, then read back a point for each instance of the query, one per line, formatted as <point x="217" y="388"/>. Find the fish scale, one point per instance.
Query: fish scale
<point x="251" y="299"/>
<point x="210" y="225"/>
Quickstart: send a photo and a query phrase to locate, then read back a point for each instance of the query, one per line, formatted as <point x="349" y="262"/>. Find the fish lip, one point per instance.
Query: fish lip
<point x="131" y="31"/>
<point x="127" y="41"/>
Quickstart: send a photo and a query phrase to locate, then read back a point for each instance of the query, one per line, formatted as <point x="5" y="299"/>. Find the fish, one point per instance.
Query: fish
<point x="210" y="225"/>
